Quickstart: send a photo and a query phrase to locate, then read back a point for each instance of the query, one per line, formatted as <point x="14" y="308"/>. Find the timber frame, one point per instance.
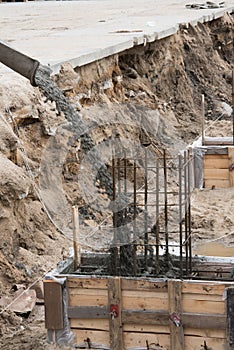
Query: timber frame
<point x="142" y="313"/>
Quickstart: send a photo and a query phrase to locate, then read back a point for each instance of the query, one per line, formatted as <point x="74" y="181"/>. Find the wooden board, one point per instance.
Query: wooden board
<point x="53" y="305"/>
<point x="205" y="288"/>
<point x="88" y="312"/>
<point x="96" y="337"/>
<point x="197" y="343"/>
<point x="146" y="300"/>
<point x="217" y="183"/>
<point x="230" y="318"/>
<point x="90" y="297"/>
<point x="215" y="162"/>
<point x="146" y="328"/>
<point x="217" y="174"/>
<point x="203" y="306"/>
<point x="95" y="324"/>
<point x="89" y="283"/>
<point x="142" y="285"/>
<point x="138" y="340"/>
<point x="115" y="318"/>
<point x="175" y="306"/>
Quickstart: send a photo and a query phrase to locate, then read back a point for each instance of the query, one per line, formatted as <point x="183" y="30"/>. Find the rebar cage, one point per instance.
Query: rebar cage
<point x="152" y="214"/>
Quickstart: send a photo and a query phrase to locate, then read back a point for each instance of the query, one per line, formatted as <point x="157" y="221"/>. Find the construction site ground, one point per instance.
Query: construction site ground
<point x="159" y="82"/>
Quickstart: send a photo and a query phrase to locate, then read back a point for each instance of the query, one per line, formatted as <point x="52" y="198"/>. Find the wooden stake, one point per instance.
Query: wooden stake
<point x="76" y="237"/>
<point x="203" y="119"/>
<point x="175" y="307"/>
<point x="115" y="313"/>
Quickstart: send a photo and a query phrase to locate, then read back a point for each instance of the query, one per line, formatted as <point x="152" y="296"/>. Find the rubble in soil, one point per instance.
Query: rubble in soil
<point x="151" y="91"/>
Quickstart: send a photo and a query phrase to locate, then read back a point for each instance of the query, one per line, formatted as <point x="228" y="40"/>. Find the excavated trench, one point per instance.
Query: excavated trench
<point x="148" y="94"/>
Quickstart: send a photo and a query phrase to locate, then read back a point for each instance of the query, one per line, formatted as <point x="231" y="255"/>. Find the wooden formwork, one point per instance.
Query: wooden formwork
<point x="124" y="313"/>
<point x="218" y="167"/>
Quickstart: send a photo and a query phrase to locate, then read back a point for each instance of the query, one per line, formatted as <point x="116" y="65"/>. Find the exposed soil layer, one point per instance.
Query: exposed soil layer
<point x="152" y="92"/>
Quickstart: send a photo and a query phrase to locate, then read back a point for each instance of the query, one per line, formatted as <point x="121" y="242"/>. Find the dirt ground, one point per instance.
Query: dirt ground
<point x="156" y="88"/>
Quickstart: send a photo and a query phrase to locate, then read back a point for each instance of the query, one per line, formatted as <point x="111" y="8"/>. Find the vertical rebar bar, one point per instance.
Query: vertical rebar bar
<point x="114" y="249"/>
<point x="125" y="184"/>
<point x="186" y="211"/>
<point x="165" y="205"/>
<point x="203" y="118"/>
<point x="189" y="211"/>
<point x="157" y="227"/>
<point x="146" y="205"/>
<point x="134" y="218"/>
<point x="180" y="216"/>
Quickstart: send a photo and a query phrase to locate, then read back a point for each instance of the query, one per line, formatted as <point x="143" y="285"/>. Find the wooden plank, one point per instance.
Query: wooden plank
<point x="216" y="183"/>
<point x="216" y="163"/>
<point x="218" y="150"/>
<point x="95" y="324"/>
<point x="137" y="300"/>
<point x="146" y="328"/>
<point x="87" y="283"/>
<point x="230" y="318"/>
<point x="218" y="174"/>
<point x="175" y="307"/>
<point x="53" y="305"/>
<point x="192" y="320"/>
<point x="231" y="164"/>
<point x="88" y="312"/>
<point x="205" y="288"/>
<point x="115" y="316"/>
<point x="91" y="297"/>
<point x="206" y="333"/>
<point x="145" y="317"/>
<point x="139" y="340"/>
<point x="216" y="156"/>
<point x="221" y="142"/>
<point x="203" y="321"/>
<point x="135" y="285"/>
<point x="195" y="343"/>
<point x="203" y="306"/>
<point x="95" y="337"/>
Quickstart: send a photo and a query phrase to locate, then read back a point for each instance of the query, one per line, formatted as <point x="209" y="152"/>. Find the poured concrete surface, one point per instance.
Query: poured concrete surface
<point x="84" y="31"/>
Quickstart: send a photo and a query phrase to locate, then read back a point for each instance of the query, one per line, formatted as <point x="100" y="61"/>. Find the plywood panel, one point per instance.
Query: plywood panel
<point x="219" y="174"/>
<point x="145" y="301"/>
<point x="96" y="337"/>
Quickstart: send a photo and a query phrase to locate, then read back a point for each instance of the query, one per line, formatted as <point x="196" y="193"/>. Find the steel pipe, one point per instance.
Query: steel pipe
<point x="20" y="63"/>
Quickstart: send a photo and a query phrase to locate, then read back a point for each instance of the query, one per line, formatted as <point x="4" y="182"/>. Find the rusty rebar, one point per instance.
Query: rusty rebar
<point x="185" y="211"/>
<point x="157" y="226"/>
<point x="180" y="216"/>
<point x="134" y="218"/>
<point x="145" y="205"/>
<point x="189" y="212"/>
<point x="165" y="205"/>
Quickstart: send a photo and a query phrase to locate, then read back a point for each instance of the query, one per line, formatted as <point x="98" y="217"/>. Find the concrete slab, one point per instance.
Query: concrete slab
<point x="84" y="31"/>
